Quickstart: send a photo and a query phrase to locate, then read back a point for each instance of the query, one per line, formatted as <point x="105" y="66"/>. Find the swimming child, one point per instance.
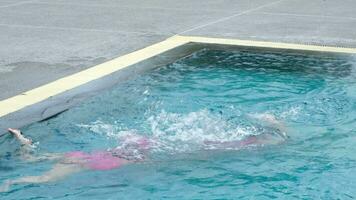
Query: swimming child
<point x="76" y="161"/>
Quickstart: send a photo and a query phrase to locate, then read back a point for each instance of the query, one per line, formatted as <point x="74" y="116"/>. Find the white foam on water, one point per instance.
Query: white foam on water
<point x="176" y="132"/>
<point x="185" y="132"/>
<point x="197" y="126"/>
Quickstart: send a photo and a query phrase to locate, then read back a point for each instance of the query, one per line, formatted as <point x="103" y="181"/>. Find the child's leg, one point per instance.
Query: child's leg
<point x="57" y="172"/>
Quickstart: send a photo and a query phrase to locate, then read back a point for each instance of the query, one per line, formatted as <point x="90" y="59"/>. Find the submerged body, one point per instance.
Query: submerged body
<point x="76" y="161"/>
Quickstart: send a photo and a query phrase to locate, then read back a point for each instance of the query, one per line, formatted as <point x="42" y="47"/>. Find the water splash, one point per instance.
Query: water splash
<point x="195" y="127"/>
<point x="176" y="132"/>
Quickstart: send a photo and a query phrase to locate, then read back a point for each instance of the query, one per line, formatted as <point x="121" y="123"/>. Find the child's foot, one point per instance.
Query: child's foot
<point x="17" y="133"/>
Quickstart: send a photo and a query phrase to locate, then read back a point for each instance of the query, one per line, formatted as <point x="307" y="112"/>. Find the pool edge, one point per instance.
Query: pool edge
<point x="69" y="82"/>
<point x="41" y="93"/>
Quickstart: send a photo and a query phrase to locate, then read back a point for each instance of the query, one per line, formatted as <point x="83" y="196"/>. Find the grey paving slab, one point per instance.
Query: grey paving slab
<point x="192" y="5"/>
<point x="107" y="18"/>
<point x="295" y="29"/>
<point x="5" y="3"/>
<point x="339" y="8"/>
<point x="51" y="54"/>
<point x="10" y="3"/>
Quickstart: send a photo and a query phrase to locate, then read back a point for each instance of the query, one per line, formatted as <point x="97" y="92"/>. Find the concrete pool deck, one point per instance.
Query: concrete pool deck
<point x="44" y="40"/>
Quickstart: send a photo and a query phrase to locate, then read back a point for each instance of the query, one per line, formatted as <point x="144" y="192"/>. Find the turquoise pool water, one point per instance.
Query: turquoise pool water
<point x="209" y="96"/>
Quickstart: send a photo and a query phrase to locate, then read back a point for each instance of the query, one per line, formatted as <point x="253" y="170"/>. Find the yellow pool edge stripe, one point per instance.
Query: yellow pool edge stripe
<point x="46" y="91"/>
<point x="276" y="45"/>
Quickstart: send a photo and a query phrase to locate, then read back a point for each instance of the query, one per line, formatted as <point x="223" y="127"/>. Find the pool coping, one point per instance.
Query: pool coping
<point x="68" y="83"/>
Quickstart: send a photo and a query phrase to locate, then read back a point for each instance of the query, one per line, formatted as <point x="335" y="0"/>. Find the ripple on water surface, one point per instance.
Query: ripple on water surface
<point x="209" y="96"/>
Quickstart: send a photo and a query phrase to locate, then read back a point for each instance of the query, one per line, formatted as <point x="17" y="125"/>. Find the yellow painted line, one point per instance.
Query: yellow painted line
<point x="41" y="93"/>
<point x="277" y="45"/>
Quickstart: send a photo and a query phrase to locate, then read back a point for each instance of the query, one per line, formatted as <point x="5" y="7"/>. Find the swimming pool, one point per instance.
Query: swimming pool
<point x="209" y="96"/>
